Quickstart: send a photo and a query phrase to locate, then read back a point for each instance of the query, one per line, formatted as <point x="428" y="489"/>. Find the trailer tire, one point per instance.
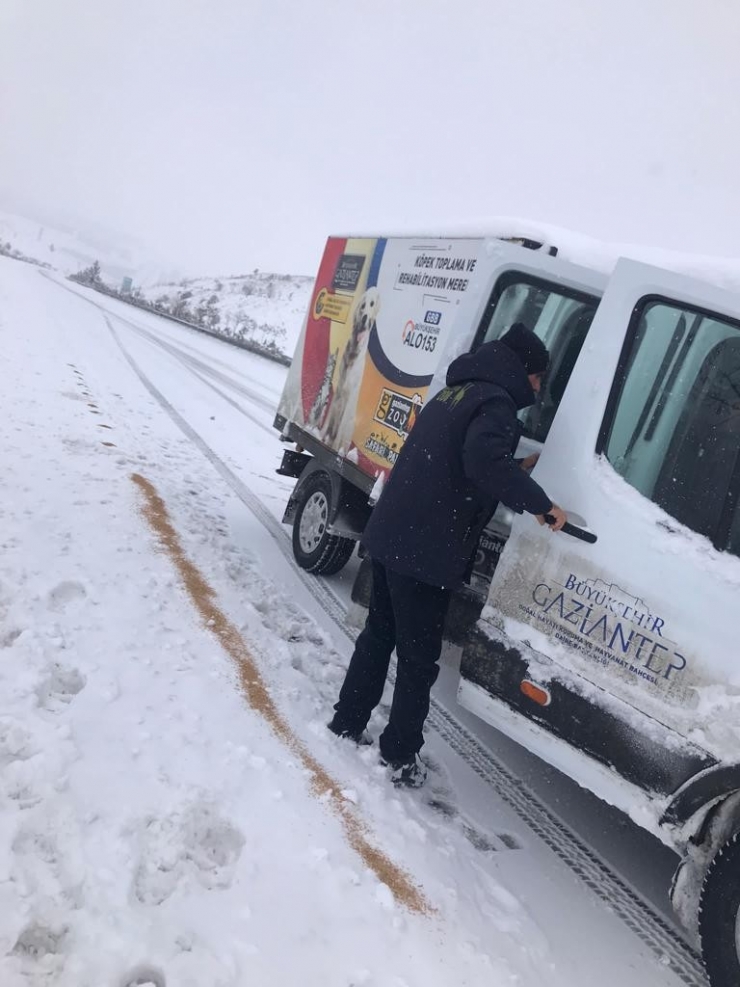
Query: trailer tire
<point x="314" y="548"/>
<point x="719" y="916"/>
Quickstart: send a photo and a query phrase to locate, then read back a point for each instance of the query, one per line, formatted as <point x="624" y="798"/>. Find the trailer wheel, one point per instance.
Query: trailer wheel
<point x="719" y="916"/>
<point x="314" y="548"/>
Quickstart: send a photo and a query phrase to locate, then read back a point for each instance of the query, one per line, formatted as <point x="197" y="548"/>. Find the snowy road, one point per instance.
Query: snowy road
<point x="153" y="822"/>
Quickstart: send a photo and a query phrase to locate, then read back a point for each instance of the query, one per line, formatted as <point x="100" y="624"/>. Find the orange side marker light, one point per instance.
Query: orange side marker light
<point x="536" y="693"/>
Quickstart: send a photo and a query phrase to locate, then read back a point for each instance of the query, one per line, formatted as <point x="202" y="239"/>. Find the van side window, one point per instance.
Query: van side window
<point x="675" y="429"/>
<point x="559" y="317"/>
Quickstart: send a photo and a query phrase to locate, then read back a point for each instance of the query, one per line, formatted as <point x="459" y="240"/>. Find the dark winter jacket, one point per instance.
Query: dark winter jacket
<point x="454" y="468"/>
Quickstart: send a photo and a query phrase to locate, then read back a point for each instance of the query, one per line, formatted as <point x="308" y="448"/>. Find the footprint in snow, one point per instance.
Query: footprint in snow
<point x="143" y="976"/>
<point x="9" y="637"/>
<point x="48" y="873"/>
<point x="16" y="743"/>
<point x="64" y="594"/>
<point x="38" y="941"/>
<point x="195" y="844"/>
<point x="33" y="764"/>
<point x="60" y="686"/>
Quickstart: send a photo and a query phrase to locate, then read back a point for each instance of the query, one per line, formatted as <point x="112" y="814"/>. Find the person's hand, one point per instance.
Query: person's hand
<point x="530" y="462"/>
<point x="558" y="513"/>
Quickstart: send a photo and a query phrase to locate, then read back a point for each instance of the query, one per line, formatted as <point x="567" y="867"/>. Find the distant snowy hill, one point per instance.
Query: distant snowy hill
<point x="69" y="249"/>
<point x="261" y="308"/>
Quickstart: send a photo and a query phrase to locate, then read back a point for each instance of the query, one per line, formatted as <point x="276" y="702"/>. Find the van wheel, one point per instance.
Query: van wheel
<point x="719" y="916"/>
<point x="316" y="550"/>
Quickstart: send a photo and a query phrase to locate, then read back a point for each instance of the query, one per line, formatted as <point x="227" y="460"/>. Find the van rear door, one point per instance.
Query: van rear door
<point x="626" y="646"/>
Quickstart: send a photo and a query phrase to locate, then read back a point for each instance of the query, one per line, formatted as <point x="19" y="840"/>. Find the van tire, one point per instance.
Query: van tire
<point x="314" y="548"/>
<point x="719" y="916"/>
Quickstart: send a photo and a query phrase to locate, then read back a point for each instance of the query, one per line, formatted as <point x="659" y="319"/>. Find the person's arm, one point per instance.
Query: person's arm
<point x="488" y="462"/>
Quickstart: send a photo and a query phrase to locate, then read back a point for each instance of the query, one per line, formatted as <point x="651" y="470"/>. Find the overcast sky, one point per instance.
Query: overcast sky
<point x="230" y="134"/>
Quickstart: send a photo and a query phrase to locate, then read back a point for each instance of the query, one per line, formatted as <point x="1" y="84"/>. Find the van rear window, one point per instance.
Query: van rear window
<point x="674" y="432"/>
<point x="560" y="318"/>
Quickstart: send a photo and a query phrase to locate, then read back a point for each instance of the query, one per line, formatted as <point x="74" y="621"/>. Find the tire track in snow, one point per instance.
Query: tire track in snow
<point x="249" y="499"/>
<point x="177" y="351"/>
<point x="201" y="368"/>
<point x="184" y="361"/>
<point x="326" y="599"/>
<point x="626" y="902"/>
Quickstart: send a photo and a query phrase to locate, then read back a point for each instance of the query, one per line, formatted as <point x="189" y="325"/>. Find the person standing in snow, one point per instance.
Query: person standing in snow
<point x="454" y="468"/>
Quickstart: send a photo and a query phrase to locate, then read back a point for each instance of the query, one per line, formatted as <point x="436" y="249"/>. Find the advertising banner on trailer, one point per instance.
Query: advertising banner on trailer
<point x="379" y="318"/>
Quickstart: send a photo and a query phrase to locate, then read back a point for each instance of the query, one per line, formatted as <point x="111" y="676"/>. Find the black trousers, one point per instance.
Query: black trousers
<point x="407" y="615"/>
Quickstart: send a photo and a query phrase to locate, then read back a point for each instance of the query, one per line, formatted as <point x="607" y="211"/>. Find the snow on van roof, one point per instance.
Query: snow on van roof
<point x="588" y="251"/>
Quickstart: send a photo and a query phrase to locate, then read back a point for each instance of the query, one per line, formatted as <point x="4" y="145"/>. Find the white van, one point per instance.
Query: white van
<point x="609" y="652"/>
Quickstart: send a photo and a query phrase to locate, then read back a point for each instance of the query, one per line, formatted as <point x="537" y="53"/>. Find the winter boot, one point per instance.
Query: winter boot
<point x="408" y="774"/>
<point x="360" y="737"/>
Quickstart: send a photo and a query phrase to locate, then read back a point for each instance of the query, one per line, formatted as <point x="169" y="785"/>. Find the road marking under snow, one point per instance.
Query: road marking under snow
<point x="258" y="696"/>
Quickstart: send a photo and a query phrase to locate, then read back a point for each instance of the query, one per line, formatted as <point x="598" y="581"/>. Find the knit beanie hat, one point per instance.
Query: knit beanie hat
<point x="529" y="348"/>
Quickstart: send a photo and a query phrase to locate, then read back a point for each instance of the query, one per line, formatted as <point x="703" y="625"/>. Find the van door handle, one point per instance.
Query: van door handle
<point x="571" y="529"/>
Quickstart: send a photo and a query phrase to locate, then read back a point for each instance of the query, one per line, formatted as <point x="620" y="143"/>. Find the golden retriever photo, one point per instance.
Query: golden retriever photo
<point x="340" y="420"/>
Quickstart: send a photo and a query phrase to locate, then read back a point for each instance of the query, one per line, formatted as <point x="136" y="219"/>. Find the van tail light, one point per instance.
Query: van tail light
<point x="536" y="693"/>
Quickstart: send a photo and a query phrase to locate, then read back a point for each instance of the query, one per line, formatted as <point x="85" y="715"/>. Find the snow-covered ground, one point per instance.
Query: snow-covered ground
<point x="172" y="808"/>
